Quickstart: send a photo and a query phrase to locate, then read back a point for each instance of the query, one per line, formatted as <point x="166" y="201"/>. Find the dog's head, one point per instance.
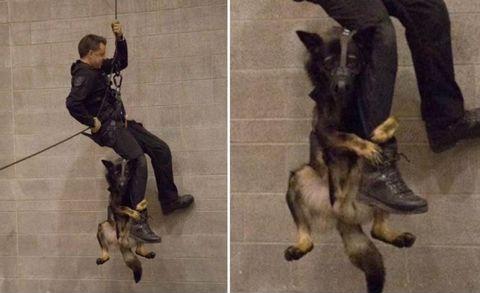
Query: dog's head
<point x="118" y="175"/>
<point x="336" y="58"/>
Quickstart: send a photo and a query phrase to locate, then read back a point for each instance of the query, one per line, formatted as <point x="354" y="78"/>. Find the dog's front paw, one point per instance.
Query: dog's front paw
<point x="101" y="261"/>
<point x="135" y="215"/>
<point x="372" y="152"/>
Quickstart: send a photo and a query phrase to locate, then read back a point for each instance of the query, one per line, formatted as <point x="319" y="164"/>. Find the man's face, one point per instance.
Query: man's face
<point x="95" y="58"/>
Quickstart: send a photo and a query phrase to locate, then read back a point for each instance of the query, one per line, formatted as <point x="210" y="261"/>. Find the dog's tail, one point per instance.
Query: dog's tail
<point x="131" y="259"/>
<point x="364" y="255"/>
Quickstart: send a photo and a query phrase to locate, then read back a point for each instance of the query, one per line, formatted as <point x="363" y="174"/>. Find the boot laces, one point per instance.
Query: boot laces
<point x="392" y="174"/>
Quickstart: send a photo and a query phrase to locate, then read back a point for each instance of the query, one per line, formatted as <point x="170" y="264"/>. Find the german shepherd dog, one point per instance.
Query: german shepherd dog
<point x="327" y="187"/>
<point x="115" y="231"/>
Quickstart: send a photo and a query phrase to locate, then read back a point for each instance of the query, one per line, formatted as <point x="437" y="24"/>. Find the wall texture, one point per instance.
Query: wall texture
<point x="50" y="205"/>
<point x="270" y="124"/>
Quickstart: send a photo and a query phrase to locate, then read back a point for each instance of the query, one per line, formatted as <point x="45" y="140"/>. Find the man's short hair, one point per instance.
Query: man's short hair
<point x="90" y="42"/>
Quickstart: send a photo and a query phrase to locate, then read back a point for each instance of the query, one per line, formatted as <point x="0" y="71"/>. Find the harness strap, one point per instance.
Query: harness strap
<point x="344" y="39"/>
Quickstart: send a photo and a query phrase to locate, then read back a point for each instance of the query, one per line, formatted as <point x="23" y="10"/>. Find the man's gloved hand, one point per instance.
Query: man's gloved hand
<point x="96" y="126"/>
<point x="117" y="29"/>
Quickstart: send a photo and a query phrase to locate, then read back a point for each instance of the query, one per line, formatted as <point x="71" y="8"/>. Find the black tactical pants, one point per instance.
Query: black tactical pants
<point x="427" y="27"/>
<point x="132" y="143"/>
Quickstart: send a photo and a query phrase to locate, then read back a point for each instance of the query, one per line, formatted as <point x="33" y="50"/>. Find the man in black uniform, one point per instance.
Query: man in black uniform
<point x="427" y="27"/>
<point x="94" y="103"/>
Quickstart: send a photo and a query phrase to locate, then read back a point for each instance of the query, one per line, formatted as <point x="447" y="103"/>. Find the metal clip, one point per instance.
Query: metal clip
<point x="117" y="80"/>
<point x="346" y="32"/>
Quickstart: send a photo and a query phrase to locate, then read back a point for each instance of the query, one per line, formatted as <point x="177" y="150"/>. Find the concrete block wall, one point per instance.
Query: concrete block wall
<point x="271" y="114"/>
<point x="50" y="205"/>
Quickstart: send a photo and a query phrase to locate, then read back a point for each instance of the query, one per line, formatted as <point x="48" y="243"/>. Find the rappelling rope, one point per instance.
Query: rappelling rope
<point x="116" y="80"/>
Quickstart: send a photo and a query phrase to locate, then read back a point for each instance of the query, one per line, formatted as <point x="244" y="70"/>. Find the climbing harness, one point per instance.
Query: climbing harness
<point x="115" y="78"/>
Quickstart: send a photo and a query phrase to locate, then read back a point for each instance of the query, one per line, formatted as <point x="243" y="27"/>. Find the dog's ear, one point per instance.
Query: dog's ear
<point x="107" y="164"/>
<point x="313" y="42"/>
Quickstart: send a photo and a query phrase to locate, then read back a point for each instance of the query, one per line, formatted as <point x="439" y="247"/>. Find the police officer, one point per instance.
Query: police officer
<point x="427" y="27"/>
<point x="94" y="103"/>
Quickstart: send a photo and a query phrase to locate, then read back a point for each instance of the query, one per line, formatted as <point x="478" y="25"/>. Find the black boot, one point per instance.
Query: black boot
<point x="181" y="202"/>
<point x="382" y="185"/>
<point x="444" y="138"/>
<point x="142" y="231"/>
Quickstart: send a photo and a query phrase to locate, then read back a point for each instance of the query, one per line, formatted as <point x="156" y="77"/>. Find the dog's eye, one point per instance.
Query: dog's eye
<point x="329" y="62"/>
<point x="352" y="61"/>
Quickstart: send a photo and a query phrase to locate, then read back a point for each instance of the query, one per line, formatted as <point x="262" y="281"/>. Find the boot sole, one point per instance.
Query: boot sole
<point x="170" y="211"/>
<point x="446" y="146"/>
<point x="378" y="204"/>
<point x="143" y="240"/>
<point x="442" y="148"/>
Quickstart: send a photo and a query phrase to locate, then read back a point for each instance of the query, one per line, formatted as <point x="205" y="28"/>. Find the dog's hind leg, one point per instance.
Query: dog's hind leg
<point x="381" y="231"/>
<point x="142" y="251"/>
<point x="129" y="257"/>
<point x="103" y="229"/>
<point x="364" y="255"/>
<point x="301" y="216"/>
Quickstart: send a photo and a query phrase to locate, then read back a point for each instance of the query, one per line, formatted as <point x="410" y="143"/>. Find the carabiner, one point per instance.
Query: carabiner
<point x="117" y="80"/>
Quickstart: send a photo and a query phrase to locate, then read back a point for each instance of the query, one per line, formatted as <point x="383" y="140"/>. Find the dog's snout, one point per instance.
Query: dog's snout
<point x="122" y="183"/>
<point x="341" y="86"/>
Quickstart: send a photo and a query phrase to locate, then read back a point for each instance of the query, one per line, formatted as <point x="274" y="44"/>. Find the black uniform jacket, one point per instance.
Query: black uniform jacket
<point x="89" y="86"/>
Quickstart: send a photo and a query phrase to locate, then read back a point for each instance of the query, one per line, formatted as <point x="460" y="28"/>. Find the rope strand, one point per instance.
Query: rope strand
<point x="80" y="132"/>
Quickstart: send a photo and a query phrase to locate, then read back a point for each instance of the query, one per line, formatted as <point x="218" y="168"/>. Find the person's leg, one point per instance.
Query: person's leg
<point x="128" y="148"/>
<point x="427" y="28"/>
<point x="428" y="32"/>
<point x="161" y="157"/>
<point x="116" y="136"/>
<point x="383" y="184"/>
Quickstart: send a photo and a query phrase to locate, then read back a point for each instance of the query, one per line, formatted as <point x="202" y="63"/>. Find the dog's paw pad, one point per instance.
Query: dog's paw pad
<point x="101" y="261"/>
<point x="150" y="255"/>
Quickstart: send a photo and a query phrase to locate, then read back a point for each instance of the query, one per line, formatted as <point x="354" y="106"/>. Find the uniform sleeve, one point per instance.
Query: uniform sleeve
<point x="82" y="85"/>
<point x="121" y="60"/>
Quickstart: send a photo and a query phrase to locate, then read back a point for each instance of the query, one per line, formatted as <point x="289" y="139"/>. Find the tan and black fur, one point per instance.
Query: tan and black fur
<point x="325" y="191"/>
<point x="115" y="231"/>
<point x="308" y="199"/>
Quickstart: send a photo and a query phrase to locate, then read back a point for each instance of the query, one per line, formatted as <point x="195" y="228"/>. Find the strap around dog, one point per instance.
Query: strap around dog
<point x="124" y="165"/>
<point x="345" y="37"/>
